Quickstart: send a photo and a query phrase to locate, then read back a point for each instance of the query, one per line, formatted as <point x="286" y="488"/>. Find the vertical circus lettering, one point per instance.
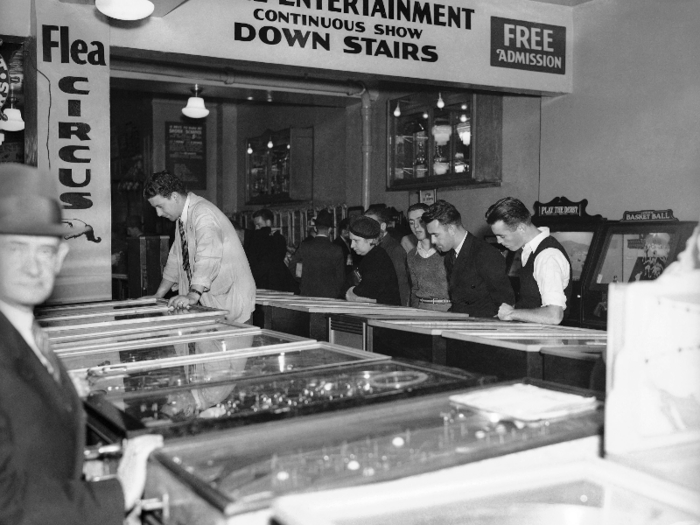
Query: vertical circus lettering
<point x="65" y="176"/>
<point x="74" y="85"/>
<point x="76" y="201"/>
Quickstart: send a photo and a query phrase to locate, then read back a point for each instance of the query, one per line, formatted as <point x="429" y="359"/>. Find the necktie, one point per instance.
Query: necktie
<point x="45" y="355"/>
<point x="451" y="257"/>
<point x="185" y="252"/>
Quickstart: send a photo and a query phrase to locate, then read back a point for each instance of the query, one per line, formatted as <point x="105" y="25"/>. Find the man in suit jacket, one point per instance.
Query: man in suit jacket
<point x="267" y="251"/>
<point x="42" y="424"/>
<point x="319" y="262"/>
<point x="214" y="271"/>
<point x="476" y="271"/>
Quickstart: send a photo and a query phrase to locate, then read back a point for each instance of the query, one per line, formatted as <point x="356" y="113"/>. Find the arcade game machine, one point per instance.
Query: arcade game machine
<point x="636" y="248"/>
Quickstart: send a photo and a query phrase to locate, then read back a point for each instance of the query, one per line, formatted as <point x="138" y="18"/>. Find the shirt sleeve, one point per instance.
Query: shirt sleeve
<point x="551" y="271"/>
<point x="209" y="250"/>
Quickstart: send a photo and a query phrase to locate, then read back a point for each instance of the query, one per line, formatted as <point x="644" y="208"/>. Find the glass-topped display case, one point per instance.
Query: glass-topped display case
<point x="259" y="387"/>
<point x="103" y="315"/>
<point x="433" y="140"/>
<point x="132" y="339"/>
<point x="80" y="336"/>
<point x="125" y="356"/>
<point x="218" y="475"/>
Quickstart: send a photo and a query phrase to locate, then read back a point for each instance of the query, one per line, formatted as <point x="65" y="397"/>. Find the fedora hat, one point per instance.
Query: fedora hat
<point x="28" y="202"/>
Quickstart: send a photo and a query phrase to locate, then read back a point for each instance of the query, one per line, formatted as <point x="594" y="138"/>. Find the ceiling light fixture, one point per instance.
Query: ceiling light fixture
<point x="397" y="111"/>
<point x="249" y="150"/>
<point x="440" y="102"/>
<point x="125" y="9"/>
<point x="270" y="144"/>
<point x="195" y="105"/>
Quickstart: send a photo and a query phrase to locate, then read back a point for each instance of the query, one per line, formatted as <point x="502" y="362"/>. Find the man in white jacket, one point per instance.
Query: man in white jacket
<point x="206" y="261"/>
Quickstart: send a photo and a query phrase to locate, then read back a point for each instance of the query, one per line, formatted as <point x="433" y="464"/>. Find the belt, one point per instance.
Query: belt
<point x="433" y="301"/>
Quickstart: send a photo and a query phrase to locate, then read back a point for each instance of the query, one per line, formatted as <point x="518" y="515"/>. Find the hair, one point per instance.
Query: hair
<point x="417" y="206"/>
<point x="163" y="183"/>
<point x="380" y="211"/>
<point x="265" y="213"/>
<point x="443" y="212"/>
<point x="324" y="220"/>
<point x="344" y="224"/>
<point x="509" y="210"/>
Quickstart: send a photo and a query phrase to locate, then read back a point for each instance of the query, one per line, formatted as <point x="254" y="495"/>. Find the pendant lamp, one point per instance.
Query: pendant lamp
<point x="125" y="9"/>
<point x="195" y="105"/>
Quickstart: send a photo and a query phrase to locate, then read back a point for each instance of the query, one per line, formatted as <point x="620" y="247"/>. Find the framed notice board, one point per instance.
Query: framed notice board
<point x="185" y="153"/>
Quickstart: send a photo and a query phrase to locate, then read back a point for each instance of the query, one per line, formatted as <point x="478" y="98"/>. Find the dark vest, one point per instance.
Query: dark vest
<point x="529" y="292"/>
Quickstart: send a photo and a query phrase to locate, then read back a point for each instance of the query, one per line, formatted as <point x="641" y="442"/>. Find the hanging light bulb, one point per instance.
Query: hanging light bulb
<point x="125" y="9"/>
<point x="249" y="150"/>
<point x="463" y="117"/>
<point x="195" y="105"/>
<point x="440" y="102"/>
<point x="397" y="111"/>
<point x="425" y="114"/>
<point x="464" y="107"/>
<point x="270" y="144"/>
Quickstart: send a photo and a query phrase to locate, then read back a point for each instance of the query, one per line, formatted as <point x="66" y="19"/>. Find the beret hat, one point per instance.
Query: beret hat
<point x="365" y="227"/>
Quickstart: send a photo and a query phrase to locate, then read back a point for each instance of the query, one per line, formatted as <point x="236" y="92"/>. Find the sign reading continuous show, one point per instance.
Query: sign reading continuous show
<point x="517" y="44"/>
<point x="310" y="24"/>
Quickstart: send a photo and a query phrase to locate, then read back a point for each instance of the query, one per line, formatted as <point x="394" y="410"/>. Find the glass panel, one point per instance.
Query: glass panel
<point x="115" y="357"/>
<point x="58" y="336"/>
<point x="153" y="334"/>
<point x="638" y="256"/>
<point x="379" y="443"/>
<point x="145" y="316"/>
<point x="576" y="245"/>
<point x="410" y="147"/>
<point x="291" y="394"/>
<point x="106" y="309"/>
<point x="443" y="139"/>
<point x="221" y="370"/>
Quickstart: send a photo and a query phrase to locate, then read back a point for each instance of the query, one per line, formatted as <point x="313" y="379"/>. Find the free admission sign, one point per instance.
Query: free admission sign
<point x="438" y="40"/>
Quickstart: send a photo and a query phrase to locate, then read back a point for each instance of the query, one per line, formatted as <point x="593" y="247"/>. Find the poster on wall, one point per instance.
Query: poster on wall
<point x="185" y="153"/>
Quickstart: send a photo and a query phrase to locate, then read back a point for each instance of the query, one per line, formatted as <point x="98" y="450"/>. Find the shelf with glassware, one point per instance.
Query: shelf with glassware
<point x="279" y="166"/>
<point x="444" y="139"/>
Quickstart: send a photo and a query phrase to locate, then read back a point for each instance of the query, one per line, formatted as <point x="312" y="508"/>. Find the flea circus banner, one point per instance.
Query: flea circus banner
<point x="502" y="44"/>
<point x="73" y="146"/>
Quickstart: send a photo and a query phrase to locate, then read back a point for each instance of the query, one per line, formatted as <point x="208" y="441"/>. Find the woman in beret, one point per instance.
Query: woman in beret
<point x="378" y="281"/>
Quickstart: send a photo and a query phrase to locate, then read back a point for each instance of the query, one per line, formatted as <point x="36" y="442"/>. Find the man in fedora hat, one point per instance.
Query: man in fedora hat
<point x="42" y="424"/>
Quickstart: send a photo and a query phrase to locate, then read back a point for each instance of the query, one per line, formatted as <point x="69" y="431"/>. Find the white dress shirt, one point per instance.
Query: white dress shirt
<point x="551" y="270"/>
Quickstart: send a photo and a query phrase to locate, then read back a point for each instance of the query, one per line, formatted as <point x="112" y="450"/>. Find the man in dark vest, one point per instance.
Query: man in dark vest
<point x="545" y="277"/>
